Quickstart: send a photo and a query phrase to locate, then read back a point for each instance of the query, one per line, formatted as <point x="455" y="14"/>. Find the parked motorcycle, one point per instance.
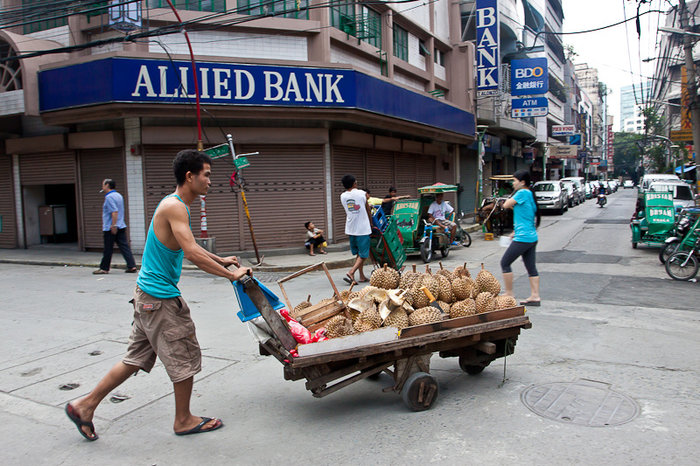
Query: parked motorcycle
<point x="683" y="265"/>
<point x="602" y="200"/>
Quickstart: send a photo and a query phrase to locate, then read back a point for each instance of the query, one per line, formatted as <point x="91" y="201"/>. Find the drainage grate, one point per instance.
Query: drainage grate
<point x="609" y="221"/>
<point x="583" y="402"/>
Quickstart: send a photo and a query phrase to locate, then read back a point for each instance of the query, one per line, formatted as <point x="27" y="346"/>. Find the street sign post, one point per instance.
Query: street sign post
<point x="529" y="107"/>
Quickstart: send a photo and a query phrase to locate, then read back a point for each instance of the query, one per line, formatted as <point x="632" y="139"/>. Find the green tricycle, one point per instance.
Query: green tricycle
<point x="656" y="222"/>
<point x="420" y="236"/>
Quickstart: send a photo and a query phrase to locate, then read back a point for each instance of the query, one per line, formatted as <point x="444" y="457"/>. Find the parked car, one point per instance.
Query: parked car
<point x="613" y="185"/>
<point x="551" y="195"/>
<point x="591" y="189"/>
<point x="579" y="184"/>
<point x="628" y="184"/>
<point x="652" y="177"/>
<point x="682" y="194"/>
<point x="572" y="195"/>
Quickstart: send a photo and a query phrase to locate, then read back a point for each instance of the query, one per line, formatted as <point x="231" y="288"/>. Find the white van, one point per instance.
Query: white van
<point x="651" y="177"/>
<point x="578" y="182"/>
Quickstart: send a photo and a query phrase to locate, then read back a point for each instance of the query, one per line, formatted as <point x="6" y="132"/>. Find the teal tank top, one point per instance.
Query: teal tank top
<point x="160" y="266"/>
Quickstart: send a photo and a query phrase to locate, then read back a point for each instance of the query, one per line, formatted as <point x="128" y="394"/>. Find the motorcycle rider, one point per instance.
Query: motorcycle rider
<point x="601" y="195"/>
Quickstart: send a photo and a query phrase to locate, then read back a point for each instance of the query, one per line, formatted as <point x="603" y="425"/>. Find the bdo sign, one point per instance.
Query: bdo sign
<point x="529" y="76"/>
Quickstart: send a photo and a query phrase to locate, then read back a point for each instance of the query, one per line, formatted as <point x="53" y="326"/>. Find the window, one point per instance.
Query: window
<point x="439" y="57"/>
<point x="370" y="27"/>
<point x="43" y="16"/>
<point x="343" y="16"/>
<point x="284" y="8"/>
<point x="193" y="5"/>
<point x="400" y="42"/>
<point x="422" y="49"/>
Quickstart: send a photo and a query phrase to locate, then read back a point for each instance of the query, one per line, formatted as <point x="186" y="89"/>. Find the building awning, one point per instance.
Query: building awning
<point x="686" y="169"/>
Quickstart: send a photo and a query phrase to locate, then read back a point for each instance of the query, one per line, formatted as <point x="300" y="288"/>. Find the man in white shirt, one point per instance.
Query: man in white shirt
<point x="357" y="225"/>
<point x="437" y="212"/>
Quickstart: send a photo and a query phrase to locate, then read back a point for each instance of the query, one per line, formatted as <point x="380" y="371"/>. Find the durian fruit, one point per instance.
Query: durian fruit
<point x="408" y="278"/>
<point x="366" y="290"/>
<point x="418" y="299"/>
<point x="397" y="318"/>
<point x="485" y="281"/>
<point x="485" y="302"/>
<point x="458" y="270"/>
<point x="369" y="319"/>
<point x="462" y="287"/>
<point x="429" y="281"/>
<point x="339" y="326"/>
<point x="300" y="307"/>
<point x="505" y="302"/>
<point x="424" y="315"/>
<point x="445" y="273"/>
<point x="444" y="306"/>
<point x="385" y="278"/>
<point x="407" y="307"/>
<point x="445" y="292"/>
<point x="345" y="295"/>
<point x="466" y="307"/>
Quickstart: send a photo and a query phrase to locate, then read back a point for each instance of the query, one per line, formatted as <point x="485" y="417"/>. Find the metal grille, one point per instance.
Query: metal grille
<point x="95" y="166"/>
<point x="49" y="168"/>
<point x="8" y="233"/>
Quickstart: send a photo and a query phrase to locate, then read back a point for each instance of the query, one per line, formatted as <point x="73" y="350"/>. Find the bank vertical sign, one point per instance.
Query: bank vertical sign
<point x="487" y="47"/>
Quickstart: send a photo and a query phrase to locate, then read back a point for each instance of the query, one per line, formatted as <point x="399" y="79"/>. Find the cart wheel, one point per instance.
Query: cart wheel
<point x="445" y="251"/>
<point x="634" y="245"/>
<point x="472" y="369"/>
<point x="426" y="251"/>
<point x="420" y="391"/>
<point x="466" y="240"/>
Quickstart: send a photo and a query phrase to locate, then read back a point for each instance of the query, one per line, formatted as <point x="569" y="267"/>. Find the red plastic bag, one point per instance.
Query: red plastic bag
<point x="302" y="334"/>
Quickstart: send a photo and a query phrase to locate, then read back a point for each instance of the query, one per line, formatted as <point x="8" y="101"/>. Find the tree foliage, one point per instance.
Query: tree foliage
<point x="627" y="155"/>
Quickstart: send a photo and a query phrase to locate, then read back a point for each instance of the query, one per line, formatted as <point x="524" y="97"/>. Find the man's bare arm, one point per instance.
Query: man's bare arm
<point x="179" y="225"/>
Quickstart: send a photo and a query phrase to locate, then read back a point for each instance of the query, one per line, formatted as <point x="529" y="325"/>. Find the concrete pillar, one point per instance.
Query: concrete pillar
<point x="319" y="43"/>
<point x="388" y="42"/>
<point x="329" y="190"/>
<point x="19" y="218"/>
<point x="138" y="223"/>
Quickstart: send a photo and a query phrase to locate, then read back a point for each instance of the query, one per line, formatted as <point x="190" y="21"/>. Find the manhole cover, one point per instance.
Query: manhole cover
<point x="609" y="221"/>
<point x="583" y="402"/>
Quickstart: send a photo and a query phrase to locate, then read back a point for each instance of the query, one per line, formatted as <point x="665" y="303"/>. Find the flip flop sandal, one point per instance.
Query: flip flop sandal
<point x="349" y="280"/>
<point x="79" y="423"/>
<point x="199" y="428"/>
<point x="530" y="303"/>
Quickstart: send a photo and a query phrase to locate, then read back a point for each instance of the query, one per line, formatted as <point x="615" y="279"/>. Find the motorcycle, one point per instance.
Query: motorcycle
<point x="602" y="200"/>
<point x="684" y="265"/>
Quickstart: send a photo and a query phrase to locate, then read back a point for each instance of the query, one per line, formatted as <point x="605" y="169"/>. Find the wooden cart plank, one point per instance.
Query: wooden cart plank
<point x="274" y="320"/>
<point x="462" y="321"/>
<point x="418" y="341"/>
<point x="348" y="381"/>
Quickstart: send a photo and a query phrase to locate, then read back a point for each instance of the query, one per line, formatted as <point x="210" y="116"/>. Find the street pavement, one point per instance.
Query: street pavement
<point x="609" y="315"/>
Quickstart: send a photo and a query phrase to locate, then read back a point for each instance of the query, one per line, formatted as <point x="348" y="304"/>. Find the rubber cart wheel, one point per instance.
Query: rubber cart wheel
<point x="466" y="239"/>
<point x="420" y="391"/>
<point x="426" y="251"/>
<point x="472" y="369"/>
<point x="445" y="251"/>
<point x="634" y="245"/>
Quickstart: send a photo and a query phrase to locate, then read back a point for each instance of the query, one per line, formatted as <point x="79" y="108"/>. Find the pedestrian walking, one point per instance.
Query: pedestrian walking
<point x="114" y="229"/>
<point x="526" y="219"/>
<point x="162" y="324"/>
<point x="357" y="226"/>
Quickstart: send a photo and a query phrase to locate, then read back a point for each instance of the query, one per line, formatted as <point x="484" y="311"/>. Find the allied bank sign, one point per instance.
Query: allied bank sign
<point x="158" y="81"/>
<point x="487" y="48"/>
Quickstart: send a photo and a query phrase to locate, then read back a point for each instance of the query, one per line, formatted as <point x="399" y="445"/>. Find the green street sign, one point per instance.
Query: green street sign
<point x="217" y="152"/>
<point x="241" y="162"/>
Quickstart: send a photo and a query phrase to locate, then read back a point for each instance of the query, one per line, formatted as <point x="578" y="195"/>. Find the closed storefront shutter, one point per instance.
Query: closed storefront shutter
<point x="406" y="184"/>
<point x="425" y="170"/>
<point x="95" y="166"/>
<point x="380" y="172"/>
<point x="346" y="160"/>
<point x="285" y="189"/>
<point x="47" y="168"/>
<point x="8" y="229"/>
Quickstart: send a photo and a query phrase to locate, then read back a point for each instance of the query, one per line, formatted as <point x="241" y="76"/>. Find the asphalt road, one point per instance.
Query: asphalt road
<point x="610" y="318"/>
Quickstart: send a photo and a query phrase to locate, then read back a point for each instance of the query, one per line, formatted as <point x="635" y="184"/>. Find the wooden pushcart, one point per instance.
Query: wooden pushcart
<point x="476" y="340"/>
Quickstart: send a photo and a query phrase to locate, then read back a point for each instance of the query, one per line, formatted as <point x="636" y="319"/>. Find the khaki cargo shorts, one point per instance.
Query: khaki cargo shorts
<point x="163" y="328"/>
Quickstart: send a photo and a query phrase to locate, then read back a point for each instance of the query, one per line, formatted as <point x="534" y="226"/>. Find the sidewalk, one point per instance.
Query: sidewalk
<point x="275" y="260"/>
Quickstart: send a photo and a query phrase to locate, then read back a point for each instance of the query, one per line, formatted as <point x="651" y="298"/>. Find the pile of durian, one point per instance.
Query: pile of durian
<point x="394" y="300"/>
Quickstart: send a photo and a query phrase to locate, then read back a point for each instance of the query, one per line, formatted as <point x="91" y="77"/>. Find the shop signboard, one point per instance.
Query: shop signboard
<point x="487" y="47"/>
<point x="563" y="130"/>
<point x="529" y="107"/>
<point x="528" y="76"/>
<point x="563" y="152"/>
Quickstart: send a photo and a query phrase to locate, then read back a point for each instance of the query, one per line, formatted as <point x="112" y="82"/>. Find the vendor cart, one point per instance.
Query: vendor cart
<point x="386" y="243"/>
<point x="475" y="340"/>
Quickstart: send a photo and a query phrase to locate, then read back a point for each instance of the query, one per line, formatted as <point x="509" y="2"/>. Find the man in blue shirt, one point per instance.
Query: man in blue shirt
<point x="114" y="229"/>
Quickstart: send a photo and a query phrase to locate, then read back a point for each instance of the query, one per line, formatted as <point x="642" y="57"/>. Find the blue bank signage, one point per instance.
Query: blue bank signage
<point x="529" y="76"/>
<point x="487" y="47"/>
<point x="127" y="80"/>
<point x="529" y="107"/>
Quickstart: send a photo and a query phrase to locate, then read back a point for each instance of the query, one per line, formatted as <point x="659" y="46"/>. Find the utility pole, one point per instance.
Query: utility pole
<point x="688" y="43"/>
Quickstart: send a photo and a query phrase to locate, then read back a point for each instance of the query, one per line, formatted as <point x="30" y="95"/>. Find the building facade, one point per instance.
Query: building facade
<point x="382" y="91"/>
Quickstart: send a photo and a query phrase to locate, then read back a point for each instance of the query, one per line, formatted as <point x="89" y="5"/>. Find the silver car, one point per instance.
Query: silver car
<point x="551" y="195"/>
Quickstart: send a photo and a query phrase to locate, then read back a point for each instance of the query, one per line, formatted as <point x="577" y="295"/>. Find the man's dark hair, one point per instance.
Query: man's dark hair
<point x="392" y="189"/>
<point x="188" y="160"/>
<point x="348" y="181"/>
<point x="110" y="182"/>
<point x="306" y="225"/>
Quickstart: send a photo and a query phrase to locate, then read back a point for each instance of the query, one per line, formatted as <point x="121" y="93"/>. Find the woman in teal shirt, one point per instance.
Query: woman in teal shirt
<point x="526" y="219"/>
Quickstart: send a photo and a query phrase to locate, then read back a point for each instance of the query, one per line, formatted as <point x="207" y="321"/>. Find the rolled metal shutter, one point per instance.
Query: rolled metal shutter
<point x="285" y="189"/>
<point x="47" y="168"/>
<point x="95" y="166"/>
<point x="425" y="170"/>
<point x="406" y="184"/>
<point x="380" y="172"/>
<point x="8" y="233"/>
<point x="345" y="160"/>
